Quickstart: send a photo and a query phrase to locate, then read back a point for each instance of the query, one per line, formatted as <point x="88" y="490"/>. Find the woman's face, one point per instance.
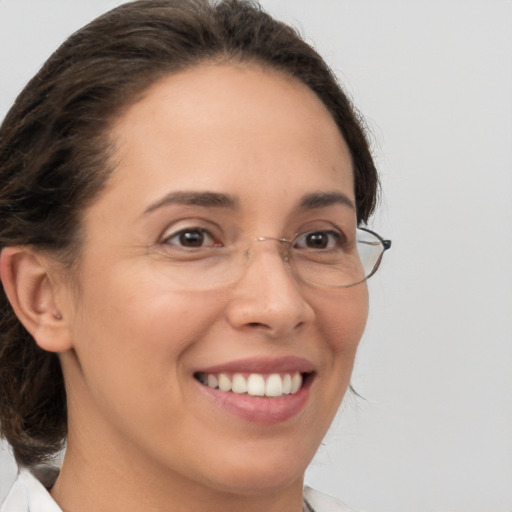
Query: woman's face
<point x="208" y="157"/>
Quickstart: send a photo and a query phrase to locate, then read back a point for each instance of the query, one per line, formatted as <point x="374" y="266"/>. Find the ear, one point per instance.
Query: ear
<point x="29" y="285"/>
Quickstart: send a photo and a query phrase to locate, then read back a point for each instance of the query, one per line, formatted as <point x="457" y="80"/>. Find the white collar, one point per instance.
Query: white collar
<point x="320" y="502"/>
<point x="28" y="495"/>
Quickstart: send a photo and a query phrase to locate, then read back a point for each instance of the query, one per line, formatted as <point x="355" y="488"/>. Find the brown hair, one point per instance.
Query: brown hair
<point x="54" y="154"/>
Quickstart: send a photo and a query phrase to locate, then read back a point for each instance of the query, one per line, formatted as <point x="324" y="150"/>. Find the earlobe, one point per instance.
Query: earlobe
<point x="28" y="284"/>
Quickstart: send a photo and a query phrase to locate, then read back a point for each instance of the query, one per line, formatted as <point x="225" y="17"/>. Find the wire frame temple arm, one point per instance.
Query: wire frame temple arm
<point x="386" y="244"/>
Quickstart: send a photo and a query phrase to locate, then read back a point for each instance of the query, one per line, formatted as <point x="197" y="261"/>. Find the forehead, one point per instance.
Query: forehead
<point x="221" y="125"/>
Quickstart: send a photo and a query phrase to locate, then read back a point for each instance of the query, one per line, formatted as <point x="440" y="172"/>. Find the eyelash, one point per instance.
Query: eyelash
<point x="191" y="232"/>
<point x="339" y="238"/>
<point x="194" y="237"/>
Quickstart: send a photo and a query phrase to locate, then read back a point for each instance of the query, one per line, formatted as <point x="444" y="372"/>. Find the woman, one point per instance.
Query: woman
<point x="183" y="274"/>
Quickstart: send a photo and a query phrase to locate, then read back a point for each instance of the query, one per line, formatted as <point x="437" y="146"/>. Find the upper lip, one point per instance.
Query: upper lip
<point x="287" y="364"/>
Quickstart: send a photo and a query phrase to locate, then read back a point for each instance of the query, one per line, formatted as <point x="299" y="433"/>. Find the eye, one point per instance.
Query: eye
<point x="192" y="238"/>
<point x="317" y="240"/>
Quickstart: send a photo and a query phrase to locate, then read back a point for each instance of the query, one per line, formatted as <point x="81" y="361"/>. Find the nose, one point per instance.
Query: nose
<point x="268" y="298"/>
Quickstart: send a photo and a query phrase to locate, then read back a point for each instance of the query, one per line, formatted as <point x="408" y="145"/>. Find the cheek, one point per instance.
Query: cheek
<point x="136" y="331"/>
<point x="342" y="319"/>
<point x="132" y="341"/>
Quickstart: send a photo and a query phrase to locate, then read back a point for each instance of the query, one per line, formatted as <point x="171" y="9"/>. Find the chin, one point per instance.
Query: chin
<point x="264" y="482"/>
<point x="261" y="475"/>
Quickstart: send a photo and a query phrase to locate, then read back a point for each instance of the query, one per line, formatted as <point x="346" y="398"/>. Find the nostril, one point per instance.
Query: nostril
<point x="255" y="324"/>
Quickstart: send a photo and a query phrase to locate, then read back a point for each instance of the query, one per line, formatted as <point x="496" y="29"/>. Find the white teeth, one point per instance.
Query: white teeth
<point x="274" y="386"/>
<point x="296" y="383"/>
<point x="212" y="381"/>
<point x="256" y="384"/>
<point x="224" y="382"/>
<point x="239" y="384"/>
<point x="287" y="384"/>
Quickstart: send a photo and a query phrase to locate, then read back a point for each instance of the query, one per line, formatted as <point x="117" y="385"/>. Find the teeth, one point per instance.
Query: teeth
<point x="212" y="381"/>
<point x="239" y="384"/>
<point x="274" y="386"/>
<point x="255" y="384"/>
<point x="287" y="384"/>
<point x="224" y="382"/>
<point x="296" y="383"/>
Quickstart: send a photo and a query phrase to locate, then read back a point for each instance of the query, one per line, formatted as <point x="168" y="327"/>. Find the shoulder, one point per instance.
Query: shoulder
<point x="320" y="502"/>
<point x="28" y="494"/>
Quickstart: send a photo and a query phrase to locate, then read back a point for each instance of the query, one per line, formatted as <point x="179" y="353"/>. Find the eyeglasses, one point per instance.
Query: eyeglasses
<point x="322" y="257"/>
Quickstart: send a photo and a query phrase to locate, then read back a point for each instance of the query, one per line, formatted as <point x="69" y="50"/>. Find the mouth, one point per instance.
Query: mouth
<point x="260" y="390"/>
<point x="272" y="385"/>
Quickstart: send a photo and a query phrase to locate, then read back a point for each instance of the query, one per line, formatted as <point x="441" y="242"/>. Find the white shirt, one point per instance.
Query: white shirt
<point x="28" y="494"/>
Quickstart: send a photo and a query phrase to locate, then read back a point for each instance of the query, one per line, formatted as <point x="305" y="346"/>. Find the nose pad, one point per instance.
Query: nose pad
<point x="268" y="297"/>
<point x="284" y="244"/>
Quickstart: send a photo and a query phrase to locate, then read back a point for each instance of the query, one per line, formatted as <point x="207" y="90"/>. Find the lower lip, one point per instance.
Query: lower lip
<point x="261" y="409"/>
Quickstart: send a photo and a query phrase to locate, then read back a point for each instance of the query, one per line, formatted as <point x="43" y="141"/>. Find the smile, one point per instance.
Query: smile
<point x="254" y="384"/>
<point x="260" y="390"/>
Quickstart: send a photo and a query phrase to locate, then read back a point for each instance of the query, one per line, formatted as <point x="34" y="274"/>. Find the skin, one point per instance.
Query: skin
<point x="140" y="427"/>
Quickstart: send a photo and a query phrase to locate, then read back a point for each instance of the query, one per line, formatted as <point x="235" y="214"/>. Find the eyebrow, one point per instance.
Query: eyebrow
<point x="204" y="199"/>
<point x="324" y="199"/>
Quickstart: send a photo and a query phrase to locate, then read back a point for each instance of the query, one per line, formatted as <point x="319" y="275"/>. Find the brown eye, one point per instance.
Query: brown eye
<point x="318" y="240"/>
<point x="191" y="238"/>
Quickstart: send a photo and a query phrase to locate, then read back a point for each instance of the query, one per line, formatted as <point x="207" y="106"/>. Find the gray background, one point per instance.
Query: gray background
<point x="434" y="80"/>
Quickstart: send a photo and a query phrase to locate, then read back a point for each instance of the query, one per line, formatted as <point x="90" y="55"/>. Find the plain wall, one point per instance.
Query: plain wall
<point x="434" y="81"/>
